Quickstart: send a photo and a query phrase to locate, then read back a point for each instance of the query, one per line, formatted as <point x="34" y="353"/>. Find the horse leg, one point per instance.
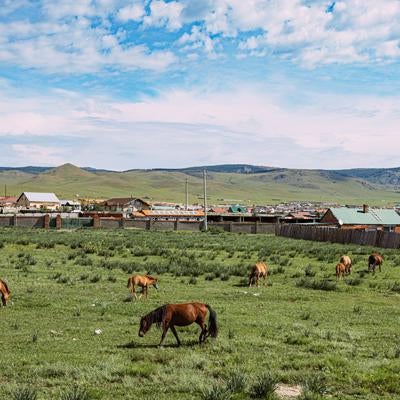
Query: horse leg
<point x="165" y="330"/>
<point x="133" y="291"/>
<point x="175" y="334"/>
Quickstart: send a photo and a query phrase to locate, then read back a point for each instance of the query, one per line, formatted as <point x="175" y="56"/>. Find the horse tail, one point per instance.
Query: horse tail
<point x="212" y="322"/>
<point x="129" y="283"/>
<point x="5" y="286"/>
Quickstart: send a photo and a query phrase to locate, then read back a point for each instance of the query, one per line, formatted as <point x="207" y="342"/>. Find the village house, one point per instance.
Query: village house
<point x="70" y="205"/>
<point x="362" y="218"/>
<point x="7" y="204"/>
<point x="125" y="204"/>
<point x="38" y="201"/>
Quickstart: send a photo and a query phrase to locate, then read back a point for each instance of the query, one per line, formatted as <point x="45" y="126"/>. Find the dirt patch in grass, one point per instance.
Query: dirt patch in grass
<point x="287" y="391"/>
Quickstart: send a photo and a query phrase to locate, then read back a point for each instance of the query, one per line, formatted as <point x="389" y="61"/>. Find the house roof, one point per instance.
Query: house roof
<point x="301" y="215"/>
<point x="171" y="213"/>
<point x="237" y="208"/>
<point x="374" y="216"/>
<point x="40" y="197"/>
<point x="121" y="201"/>
<point x="7" y="200"/>
<point x="219" y="210"/>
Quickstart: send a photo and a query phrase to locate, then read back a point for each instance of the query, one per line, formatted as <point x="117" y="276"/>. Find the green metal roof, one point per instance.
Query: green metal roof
<point x="237" y="208"/>
<point x="374" y="216"/>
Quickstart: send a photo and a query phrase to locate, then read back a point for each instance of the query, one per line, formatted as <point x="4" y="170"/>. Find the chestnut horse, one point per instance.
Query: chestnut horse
<point x="375" y="260"/>
<point x="346" y="261"/>
<point x="5" y="292"/>
<point x="171" y="315"/>
<point x="144" y="281"/>
<point x="340" y="270"/>
<point x="260" y="270"/>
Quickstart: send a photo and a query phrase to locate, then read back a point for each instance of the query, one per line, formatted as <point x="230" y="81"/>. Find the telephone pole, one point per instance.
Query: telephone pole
<point x="205" y="199"/>
<point x="187" y="194"/>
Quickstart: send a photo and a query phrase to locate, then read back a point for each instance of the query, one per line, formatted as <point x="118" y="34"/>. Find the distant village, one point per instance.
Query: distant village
<point x="300" y="212"/>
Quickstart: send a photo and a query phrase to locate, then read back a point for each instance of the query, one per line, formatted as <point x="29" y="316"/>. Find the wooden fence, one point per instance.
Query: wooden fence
<point x="62" y="222"/>
<point x="376" y="238"/>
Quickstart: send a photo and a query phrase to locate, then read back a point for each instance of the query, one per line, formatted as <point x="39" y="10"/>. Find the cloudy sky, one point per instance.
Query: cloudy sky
<point x="125" y="84"/>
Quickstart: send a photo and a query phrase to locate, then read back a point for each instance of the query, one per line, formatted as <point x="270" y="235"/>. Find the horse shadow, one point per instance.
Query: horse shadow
<point x="136" y="345"/>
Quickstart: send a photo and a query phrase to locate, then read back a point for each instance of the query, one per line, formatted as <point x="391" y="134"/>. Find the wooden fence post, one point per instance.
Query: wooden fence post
<point x="46" y="221"/>
<point x="58" y="221"/>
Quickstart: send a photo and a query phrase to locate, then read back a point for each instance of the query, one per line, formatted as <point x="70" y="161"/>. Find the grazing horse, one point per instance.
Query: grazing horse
<point x="171" y="315"/>
<point x="5" y="292"/>
<point x="340" y="270"/>
<point x="375" y="260"/>
<point x="260" y="270"/>
<point x="144" y="281"/>
<point x="346" y="261"/>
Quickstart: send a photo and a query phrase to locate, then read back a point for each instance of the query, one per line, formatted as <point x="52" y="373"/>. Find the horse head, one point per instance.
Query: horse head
<point x="144" y="326"/>
<point x="154" y="283"/>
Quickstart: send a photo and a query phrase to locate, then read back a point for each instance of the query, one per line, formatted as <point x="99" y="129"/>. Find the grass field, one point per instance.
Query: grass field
<point x="336" y="340"/>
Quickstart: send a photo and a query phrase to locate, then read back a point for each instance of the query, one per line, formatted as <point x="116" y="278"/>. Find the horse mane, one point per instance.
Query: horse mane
<point x="156" y="316"/>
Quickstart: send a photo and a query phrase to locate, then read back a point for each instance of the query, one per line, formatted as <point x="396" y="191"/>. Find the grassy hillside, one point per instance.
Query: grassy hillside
<point x="270" y="186"/>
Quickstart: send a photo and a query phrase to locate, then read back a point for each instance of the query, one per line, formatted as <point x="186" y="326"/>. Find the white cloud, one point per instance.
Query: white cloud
<point x="76" y="36"/>
<point x="37" y="155"/>
<point x="186" y="127"/>
<point x="133" y="12"/>
<point x="164" y="14"/>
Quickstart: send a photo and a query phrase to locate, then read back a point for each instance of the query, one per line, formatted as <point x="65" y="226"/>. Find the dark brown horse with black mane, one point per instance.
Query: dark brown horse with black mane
<point x="5" y="292"/>
<point x="375" y="260"/>
<point x="171" y="315"/>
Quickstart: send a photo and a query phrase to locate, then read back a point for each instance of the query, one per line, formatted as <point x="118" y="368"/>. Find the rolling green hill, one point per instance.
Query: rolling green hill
<point x="226" y="184"/>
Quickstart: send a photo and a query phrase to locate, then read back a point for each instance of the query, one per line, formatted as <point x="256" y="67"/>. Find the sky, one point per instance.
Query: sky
<point x="123" y="84"/>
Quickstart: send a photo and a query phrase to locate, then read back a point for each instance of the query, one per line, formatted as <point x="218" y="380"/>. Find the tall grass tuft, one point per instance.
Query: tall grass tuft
<point x="315" y="384"/>
<point x="24" y="393"/>
<point x="215" y="392"/>
<point x="75" y="393"/>
<point x="264" y="387"/>
<point x="236" y="382"/>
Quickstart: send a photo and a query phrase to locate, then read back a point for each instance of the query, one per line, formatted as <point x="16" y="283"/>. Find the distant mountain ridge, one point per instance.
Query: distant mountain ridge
<point x="227" y="183"/>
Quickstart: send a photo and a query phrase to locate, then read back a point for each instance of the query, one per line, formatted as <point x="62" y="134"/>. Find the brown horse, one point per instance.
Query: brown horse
<point x="5" y="292"/>
<point x="375" y="260"/>
<point x="340" y="270"/>
<point x="259" y="270"/>
<point x="171" y="315"/>
<point x="346" y="261"/>
<point x="144" y="281"/>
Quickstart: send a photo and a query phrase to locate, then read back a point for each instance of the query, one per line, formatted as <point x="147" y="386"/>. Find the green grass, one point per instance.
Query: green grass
<point x="261" y="188"/>
<point x="342" y="343"/>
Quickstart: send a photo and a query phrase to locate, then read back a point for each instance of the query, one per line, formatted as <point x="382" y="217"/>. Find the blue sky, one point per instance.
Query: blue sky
<point x="125" y="84"/>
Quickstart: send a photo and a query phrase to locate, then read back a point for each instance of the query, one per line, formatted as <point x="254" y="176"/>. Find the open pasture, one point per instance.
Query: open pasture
<point x="335" y="339"/>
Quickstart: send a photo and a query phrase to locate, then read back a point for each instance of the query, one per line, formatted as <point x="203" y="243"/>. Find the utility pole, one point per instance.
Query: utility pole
<point x="205" y="199"/>
<point x="5" y="190"/>
<point x="187" y="194"/>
